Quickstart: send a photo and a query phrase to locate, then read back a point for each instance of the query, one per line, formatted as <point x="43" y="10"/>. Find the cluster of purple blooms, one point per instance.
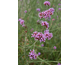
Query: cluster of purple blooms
<point x="33" y="55"/>
<point x="46" y="14"/>
<point x="54" y="47"/>
<point x="21" y="22"/>
<point x="47" y="3"/>
<point x="44" y="23"/>
<point x="25" y="11"/>
<point x="59" y="8"/>
<point x="58" y="64"/>
<point x="59" y="4"/>
<point x="38" y="9"/>
<point x="42" y="37"/>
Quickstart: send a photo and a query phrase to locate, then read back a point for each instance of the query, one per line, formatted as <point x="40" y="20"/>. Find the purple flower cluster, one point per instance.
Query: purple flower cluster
<point x="59" y="4"/>
<point x="42" y="45"/>
<point x="44" y="23"/>
<point x="21" y="22"/>
<point x="38" y="9"/>
<point x="39" y="53"/>
<point x="46" y="14"/>
<point x="38" y="36"/>
<point x="59" y="8"/>
<point x="47" y="3"/>
<point x="42" y="37"/>
<point x="25" y="11"/>
<point x="48" y="35"/>
<point x="54" y="47"/>
<point x="58" y="64"/>
<point x="33" y="55"/>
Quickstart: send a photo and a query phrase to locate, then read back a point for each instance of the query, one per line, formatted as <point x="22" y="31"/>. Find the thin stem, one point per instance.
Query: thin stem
<point x="34" y="43"/>
<point x="25" y="45"/>
<point x="43" y="60"/>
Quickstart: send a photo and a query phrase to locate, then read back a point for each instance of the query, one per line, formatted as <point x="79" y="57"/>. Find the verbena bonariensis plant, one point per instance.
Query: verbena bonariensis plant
<point x="39" y="35"/>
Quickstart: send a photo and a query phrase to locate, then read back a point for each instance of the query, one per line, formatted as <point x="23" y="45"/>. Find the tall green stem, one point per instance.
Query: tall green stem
<point x="43" y="60"/>
<point x="34" y="44"/>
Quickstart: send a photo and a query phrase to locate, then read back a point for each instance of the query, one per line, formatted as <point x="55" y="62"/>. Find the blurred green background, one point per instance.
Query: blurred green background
<point x="30" y="18"/>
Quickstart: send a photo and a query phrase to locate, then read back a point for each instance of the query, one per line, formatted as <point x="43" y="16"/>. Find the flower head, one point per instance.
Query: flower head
<point x="33" y="55"/>
<point x="54" y="47"/>
<point x="48" y="35"/>
<point x="47" y="3"/>
<point x="40" y="36"/>
<point x="44" y="23"/>
<point x="46" y="14"/>
<point x="39" y="53"/>
<point x="59" y="8"/>
<point x="53" y="19"/>
<point x="22" y="22"/>
<point x="59" y="4"/>
<point x="38" y="9"/>
<point x="19" y="20"/>
<point x="25" y="11"/>
<point x="34" y="34"/>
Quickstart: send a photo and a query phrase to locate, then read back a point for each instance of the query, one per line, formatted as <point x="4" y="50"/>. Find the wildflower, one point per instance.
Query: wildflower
<point x="53" y="19"/>
<point x="40" y="36"/>
<point x="22" y="22"/>
<point x="57" y="16"/>
<point x="46" y="14"/>
<point x="42" y="45"/>
<point x="51" y="9"/>
<point x="33" y="55"/>
<point x="54" y="47"/>
<point x="44" y="23"/>
<point x="47" y="3"/>
<point x="59" y="4"/>
<point x="19" y="20"/>
<point x="39" y="53"/>
<point x="58" y="64"/>
<point x="25" y="11"/>
<point x="34" y="34"/>
<point x="48" y="35"/>
<point x="59" y="8"/>
<point x="38" y="9"/>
